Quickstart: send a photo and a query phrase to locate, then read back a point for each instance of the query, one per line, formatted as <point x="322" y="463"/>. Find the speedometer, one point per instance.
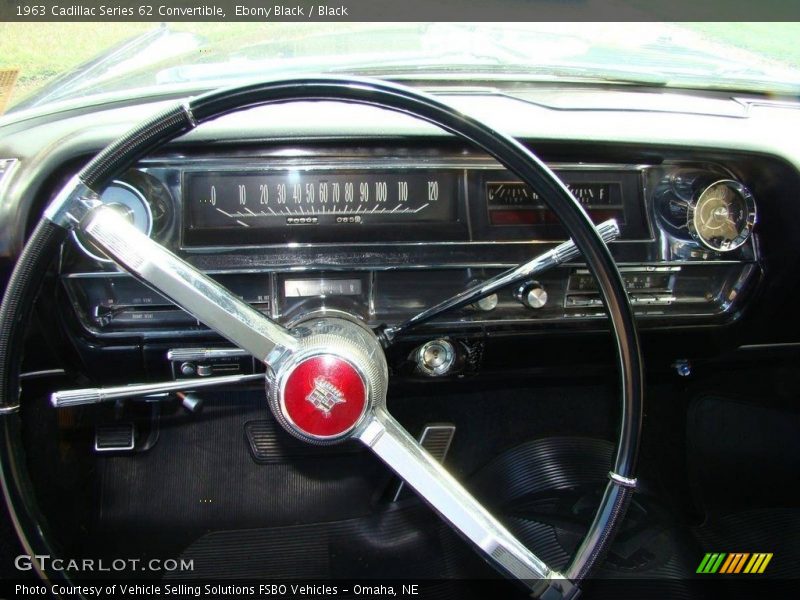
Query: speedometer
<point x="286" y="205"/>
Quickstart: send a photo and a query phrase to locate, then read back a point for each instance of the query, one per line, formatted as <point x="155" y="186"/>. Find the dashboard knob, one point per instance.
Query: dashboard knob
<point x="487" y="304"/>
<point x="532" y="295"/>
<point x="436" y="357"/>
<point x="188" y="369"/>
<point x="191" y="402"/>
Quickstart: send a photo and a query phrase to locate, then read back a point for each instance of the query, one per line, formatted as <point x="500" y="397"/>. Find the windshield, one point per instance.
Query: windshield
<point x="63" y="61"/>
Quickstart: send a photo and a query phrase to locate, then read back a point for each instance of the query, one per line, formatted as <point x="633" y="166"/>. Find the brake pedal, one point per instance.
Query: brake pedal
<point x="436" y="439"/>
<point x="116" y="437"/>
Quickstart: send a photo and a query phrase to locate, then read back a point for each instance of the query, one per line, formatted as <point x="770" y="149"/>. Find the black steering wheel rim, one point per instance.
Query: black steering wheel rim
<point x="17" y="304"/>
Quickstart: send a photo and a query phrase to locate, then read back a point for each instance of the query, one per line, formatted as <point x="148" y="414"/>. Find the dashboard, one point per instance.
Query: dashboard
<point x="455" y="220"/>
<point x="383" y="226"/>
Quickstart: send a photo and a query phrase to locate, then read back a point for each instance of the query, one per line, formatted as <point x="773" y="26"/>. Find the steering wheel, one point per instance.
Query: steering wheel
<point x="327" y="377"/>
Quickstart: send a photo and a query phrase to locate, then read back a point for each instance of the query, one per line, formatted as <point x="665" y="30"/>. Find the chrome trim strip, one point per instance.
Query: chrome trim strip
<point x="623" y="481"/>
<point x="403" y="454"/>
<point x="183" y="354"/>
<point x="68" y="398"/>
<point x="187" y="287"/>
<point x="42" y="374"/>
<point x="281" y="161"/>
<point x="630" y="266"/>
<point x="7" y="410"/>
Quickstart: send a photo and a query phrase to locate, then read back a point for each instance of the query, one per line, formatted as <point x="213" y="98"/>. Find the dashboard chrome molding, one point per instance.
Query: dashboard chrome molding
<point x="559" y="255"/>
<point x="184" y="354"/>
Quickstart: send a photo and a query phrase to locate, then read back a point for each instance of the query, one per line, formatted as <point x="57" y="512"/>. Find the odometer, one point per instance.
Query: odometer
<point x="315" y="205"/>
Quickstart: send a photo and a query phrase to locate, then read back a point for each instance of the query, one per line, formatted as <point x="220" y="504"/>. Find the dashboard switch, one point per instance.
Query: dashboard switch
<point x="436" y="358"/>
<point x="531" y="294"/>
<point x="188" y="369"/>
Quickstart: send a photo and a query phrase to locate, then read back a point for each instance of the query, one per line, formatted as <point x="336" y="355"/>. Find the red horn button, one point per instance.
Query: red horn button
<point x="324" y="396"/>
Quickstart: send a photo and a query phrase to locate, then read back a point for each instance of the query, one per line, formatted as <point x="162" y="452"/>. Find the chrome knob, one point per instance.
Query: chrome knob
<point x="532" y="295"/>
<point x="188" y="369"/>
<point x="436" y="357"/>
<point x="487" y="304"/>
<point x="191" y="402"/>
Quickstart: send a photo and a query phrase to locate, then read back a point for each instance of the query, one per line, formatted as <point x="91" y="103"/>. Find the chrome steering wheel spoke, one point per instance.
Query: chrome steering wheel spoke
<point x="191" y="290"/>
<point x="565" y="252"/>
<point x="382" y="434"/>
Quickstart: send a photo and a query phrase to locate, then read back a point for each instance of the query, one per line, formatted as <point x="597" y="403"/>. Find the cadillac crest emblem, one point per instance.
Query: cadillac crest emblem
<point x="325" y="396"/>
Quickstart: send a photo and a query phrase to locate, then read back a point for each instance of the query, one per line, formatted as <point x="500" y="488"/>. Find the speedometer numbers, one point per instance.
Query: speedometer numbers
<point x="254" y="199"/>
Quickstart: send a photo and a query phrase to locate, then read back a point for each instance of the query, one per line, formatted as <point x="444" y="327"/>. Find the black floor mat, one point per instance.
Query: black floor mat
<point x="201" y="476"/>
<point x="546" y="491"/>
<point x="743" y="454"/>
<point x="200" y="494"/>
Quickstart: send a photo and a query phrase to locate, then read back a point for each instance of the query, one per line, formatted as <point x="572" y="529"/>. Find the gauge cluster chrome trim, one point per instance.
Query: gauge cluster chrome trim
<point x="281" y="161"/>
<point x="749" y="224"/>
